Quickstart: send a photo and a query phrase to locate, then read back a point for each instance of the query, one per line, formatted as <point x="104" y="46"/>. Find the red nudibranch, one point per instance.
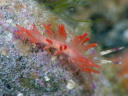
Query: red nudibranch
<point x="57" y="39"/>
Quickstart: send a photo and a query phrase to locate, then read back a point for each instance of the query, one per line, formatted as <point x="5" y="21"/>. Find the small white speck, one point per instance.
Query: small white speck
<point x="71" y="84"/>
<point x="46" y="78"/>
<point x="53" y="58"/>
<point x="20" y="94"/>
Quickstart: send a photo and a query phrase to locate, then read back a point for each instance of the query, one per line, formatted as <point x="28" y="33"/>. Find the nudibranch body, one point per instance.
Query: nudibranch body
<point x="57" y="40"/>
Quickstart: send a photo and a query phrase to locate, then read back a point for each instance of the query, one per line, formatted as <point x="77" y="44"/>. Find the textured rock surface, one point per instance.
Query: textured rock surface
<point x="25" y="72"/>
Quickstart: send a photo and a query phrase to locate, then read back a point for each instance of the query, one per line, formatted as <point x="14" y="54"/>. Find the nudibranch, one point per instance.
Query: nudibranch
<point x="57" y="40"/>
